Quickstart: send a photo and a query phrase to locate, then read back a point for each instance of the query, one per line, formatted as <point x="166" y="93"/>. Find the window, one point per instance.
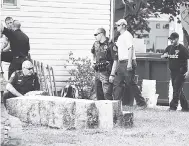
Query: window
<point x="10" y="3"/>
<point x="158" y="26"/>
<point x="147" y="42"/>
<point x="166" y="26"/>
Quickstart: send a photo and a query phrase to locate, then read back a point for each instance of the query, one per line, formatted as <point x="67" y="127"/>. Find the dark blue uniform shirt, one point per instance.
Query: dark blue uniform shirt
<point x="24" y="84"/>
<point x="106" y="51"/>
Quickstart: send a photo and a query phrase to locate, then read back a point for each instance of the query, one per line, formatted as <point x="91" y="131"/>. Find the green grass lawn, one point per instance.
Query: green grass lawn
<point x="152" y="127"/>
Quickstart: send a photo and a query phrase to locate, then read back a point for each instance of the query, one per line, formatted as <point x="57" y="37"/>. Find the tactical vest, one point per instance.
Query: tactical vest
<point x="104" y="60"/>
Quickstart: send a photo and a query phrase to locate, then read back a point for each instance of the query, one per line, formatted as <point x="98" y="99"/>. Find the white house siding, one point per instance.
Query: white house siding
<point x="56" y="27"/>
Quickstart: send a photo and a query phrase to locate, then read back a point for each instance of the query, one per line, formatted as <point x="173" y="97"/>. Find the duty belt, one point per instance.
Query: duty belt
<point x="19" y="56"/>
<point x="101" y="66"/>
<point x="123" y="61"/>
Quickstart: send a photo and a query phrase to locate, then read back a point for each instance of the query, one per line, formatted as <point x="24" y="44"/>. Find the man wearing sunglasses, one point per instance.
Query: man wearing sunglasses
<point x="21" y="82"/>
<point x="178" y="57"/>
<point x="125" y="76"/>
<point x="105" y="63"/>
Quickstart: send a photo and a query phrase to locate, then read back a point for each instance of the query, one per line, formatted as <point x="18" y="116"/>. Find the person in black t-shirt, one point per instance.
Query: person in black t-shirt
<point x="20" y="46"/>
<point x="178" y="57"/>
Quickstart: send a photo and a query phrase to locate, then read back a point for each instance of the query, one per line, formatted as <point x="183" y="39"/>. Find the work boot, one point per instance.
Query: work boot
<point x="185" y="110"/>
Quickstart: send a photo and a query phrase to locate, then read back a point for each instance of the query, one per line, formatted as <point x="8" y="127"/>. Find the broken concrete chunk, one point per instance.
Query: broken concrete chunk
<point x="127" y="119"/>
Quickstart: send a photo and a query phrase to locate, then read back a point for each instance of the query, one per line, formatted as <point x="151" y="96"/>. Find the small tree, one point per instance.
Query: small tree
<point x="82" y="75"/>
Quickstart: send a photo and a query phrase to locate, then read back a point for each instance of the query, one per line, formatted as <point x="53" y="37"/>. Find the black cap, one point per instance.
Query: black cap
<point x="173" y="36"/>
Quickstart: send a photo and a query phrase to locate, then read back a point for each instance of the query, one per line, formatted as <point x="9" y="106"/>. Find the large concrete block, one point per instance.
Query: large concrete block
<point x="86" y="114"/>
<point x="109" y="113"/>
<point x="26" y="109"/>
<point x="58" y="112"/>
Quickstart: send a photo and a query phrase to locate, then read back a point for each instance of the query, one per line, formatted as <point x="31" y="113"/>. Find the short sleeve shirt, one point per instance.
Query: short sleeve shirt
<point x="177" y="56"/>
<point x="3" y="42"/>
<point x="124" y="42"/>
<point x="24" y="84"/>
<point x="106" y="51"/>
<point x="19" y="42"/>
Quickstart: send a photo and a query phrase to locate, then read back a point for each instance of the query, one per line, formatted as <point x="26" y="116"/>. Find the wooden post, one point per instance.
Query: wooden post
<point x="50" y="81"/>
<point x="51" y="69"/>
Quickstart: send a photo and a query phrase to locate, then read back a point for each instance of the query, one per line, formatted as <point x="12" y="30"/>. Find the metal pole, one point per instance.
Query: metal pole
<point x="112" y="15"/>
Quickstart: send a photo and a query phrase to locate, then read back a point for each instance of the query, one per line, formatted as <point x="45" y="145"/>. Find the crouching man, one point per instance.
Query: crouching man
<point x="21" y="82"/>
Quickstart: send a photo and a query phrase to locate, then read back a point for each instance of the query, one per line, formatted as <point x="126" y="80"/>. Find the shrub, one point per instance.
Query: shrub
<point x="82" y="76"/>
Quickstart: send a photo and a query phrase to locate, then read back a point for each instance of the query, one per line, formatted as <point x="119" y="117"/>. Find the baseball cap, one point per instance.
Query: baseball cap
<point x="121" y="21"/>
<point x="173" y="36"/>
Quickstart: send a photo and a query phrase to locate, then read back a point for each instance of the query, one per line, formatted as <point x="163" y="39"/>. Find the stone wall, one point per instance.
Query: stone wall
<point x="58" y="112"/>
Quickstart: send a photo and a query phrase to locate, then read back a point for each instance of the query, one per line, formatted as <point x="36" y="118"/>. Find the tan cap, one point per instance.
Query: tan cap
<point x="121" y="21"/>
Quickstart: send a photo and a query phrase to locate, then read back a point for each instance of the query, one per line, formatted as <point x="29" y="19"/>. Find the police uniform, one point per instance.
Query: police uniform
<point x="19" y="43"/>
<point x="125" y="80"/>
<point x="22" y="84"/>
<point x="178" y="56"/>
<point x="105" y="54"/>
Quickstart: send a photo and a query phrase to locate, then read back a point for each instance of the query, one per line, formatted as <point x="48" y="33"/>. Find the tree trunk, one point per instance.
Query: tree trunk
<point x="186" y="38"/>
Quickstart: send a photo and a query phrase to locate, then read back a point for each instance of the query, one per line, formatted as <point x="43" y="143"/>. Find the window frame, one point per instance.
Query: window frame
<point x="4" y="6"/>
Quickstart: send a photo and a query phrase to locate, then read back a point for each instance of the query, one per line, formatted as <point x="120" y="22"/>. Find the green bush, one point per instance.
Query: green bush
<point x="82" y="76"/>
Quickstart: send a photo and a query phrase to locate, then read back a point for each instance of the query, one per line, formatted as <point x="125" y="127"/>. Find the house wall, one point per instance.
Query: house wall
<point x="57" y="27"/>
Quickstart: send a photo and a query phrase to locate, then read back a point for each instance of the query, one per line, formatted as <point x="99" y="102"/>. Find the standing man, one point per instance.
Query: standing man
<point x="21" y="82"/>
<point x="6" y="54"/>
<point x="19" y="43"/>
<point x="9" y="22"/>
<point x="178" y="57"/>
<point x="105" y="64"/>
<point x="127" y="66"/>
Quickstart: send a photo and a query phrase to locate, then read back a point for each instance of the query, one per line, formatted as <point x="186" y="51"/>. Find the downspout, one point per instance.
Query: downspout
<point x="112" y="15"/>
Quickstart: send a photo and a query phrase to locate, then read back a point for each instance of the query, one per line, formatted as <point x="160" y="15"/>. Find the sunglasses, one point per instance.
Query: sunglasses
<point x="29" y="68"/>
<point x="97" y="33"/>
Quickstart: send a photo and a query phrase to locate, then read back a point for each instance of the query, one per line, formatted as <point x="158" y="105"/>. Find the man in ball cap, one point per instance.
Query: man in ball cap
<point x="178" y="57"/>
<point x="21" y="82"/>
<point x="126" y="67"/>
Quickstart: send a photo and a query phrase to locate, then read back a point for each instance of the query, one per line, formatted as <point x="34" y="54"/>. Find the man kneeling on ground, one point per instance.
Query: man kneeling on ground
<point x="21" y="82"/>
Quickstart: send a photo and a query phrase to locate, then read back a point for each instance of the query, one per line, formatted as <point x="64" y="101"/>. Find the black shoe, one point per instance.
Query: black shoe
<point x="185" y="110"/>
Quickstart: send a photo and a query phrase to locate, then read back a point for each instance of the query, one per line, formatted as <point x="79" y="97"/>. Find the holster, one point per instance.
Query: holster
<point x="103" y="66"/>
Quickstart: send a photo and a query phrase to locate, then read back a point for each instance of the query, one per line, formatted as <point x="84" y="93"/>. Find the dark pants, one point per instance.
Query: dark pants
<point x="7" y="95"/>
<point x="178" y="80"/>
<point x="103" y="87"/>
<point x="6" y="56"/>
<point x="16" y="64"/>
<point x="125" y="81"/>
